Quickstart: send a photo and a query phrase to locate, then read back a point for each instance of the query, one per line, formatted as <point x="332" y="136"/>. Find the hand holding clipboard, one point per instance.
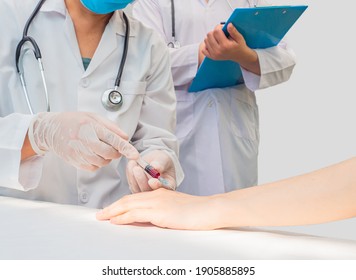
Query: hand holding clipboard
<point x="262" y="27"/>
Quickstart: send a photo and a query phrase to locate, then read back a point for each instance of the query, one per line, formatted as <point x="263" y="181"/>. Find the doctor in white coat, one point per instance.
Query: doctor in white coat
<point x="73" y="154"/>
<point x="218" y="128"/>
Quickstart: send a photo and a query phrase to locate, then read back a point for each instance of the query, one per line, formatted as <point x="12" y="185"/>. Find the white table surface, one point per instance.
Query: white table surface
<point x="42" y="230"/>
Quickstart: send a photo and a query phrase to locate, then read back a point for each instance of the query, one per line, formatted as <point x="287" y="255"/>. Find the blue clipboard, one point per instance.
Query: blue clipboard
<point x="262" y="27"/>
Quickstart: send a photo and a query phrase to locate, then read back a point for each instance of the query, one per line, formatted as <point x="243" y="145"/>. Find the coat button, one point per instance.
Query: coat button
<point x="84" y="197"/>
<point x="85" y="82"/>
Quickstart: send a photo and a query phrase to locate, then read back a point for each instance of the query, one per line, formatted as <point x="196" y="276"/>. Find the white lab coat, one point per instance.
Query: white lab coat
<point x="218" y="128"/>
<point x="147" y="114"/>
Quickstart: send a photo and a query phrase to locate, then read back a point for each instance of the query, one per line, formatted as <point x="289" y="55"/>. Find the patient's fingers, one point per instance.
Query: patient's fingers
<point x="128" y="202"/>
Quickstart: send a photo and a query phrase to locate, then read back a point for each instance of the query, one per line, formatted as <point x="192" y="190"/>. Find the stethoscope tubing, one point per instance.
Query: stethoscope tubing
<point x="37" y="52"/>
<point x="124" y="54"/>
<point x="175" y="43"/>
<point x="112" y="99"/>
<point x="107" y="97"/>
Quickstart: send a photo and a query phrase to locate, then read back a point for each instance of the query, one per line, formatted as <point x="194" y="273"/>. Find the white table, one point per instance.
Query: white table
<point x="42" y="230"/>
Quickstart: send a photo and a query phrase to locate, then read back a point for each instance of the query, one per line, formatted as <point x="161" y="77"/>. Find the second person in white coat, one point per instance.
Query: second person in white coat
<point x="218" y="128"/>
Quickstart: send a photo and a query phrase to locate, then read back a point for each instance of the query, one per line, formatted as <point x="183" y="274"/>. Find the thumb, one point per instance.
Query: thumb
<point x="158" y="166"/>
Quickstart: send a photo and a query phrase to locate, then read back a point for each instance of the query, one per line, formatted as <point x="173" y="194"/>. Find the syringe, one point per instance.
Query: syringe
<point x="152" y="172"/>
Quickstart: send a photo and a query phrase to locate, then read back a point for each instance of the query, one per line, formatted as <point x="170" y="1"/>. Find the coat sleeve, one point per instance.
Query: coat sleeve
<point x="157" y="122"/>
<point x="276" y="64"/>
<point x="14" y="173"/>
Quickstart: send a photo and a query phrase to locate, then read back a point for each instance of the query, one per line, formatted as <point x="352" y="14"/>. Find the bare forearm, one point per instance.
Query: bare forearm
<point x="251" y="62"/>
<point x="320" y="196"/>
<point x="27" y="150"/>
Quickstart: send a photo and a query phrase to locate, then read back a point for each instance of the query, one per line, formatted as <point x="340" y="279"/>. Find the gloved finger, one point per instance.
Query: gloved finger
<point x="87" y="167"/>
<point x="109" y="125"/>
<point x="163" y="166"/>
<point x="96" y="160"/>
<point x="85" y="156"/>
<point x="83" y="165"/>
<point x="104" y="150"/>
<point x="154" y="183"/>
<point x="126" y="149"/>
<point x="130" y="177"/>
<point x="166" y="182"/>
<point x="158" y="166"/>
<point x="117" y="142"/>
<point x="141" y="179"/>
<point x="89" y="137"/>
<point x="77" y="161"/>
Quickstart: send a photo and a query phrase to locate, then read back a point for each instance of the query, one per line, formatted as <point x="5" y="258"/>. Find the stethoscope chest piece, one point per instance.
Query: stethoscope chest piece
<point x="175" y="44"/>
<point x="112" y="100"/>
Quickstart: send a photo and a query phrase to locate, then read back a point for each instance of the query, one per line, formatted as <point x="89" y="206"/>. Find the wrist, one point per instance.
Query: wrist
<point x="27" y="150"/>
<point x="34" y="136"/>
<point x="201" y="56"/>
<point x="223" y="215"/>
<point x="230" y="208"/>
<point x="250" y="62"/>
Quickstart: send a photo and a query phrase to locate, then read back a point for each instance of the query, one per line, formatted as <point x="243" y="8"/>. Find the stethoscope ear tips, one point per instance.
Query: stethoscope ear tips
<point x="112" y="100"/>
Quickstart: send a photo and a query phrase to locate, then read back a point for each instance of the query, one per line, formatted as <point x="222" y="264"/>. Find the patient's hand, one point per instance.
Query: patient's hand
<point x="164" y="208"/>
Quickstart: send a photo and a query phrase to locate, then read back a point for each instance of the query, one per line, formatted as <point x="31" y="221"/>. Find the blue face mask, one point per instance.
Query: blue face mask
<point x="105" y="6"/>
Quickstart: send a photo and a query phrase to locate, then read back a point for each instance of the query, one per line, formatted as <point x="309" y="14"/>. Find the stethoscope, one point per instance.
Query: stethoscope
<point x="175" y="43"/>
<point x="111" y="99"/>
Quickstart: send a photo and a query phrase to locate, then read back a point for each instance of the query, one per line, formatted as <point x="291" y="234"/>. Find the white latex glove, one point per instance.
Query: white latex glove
<point x="140" y="181"/>
<point x="84" y="140"/>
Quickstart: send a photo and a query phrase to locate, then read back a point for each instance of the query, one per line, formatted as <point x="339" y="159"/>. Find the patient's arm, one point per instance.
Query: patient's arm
<point x="27" y="150"/>
<point x="324" y="195"/>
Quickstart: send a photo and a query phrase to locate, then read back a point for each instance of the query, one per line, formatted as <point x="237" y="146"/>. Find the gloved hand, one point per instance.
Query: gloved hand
<point x="140" y="181"/>
<point x="84" y="140"/>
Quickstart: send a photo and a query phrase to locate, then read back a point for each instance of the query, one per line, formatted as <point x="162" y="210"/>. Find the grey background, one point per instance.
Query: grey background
<point x="309" y="122"/>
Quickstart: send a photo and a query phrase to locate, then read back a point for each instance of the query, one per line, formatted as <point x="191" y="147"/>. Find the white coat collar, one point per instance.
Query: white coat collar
<point x="60" y="7"/>
<point x="54" y="6"/>
<point x="115" y="26"/>
<point x="120" y="28"/>
<point x="108" y="43"/>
